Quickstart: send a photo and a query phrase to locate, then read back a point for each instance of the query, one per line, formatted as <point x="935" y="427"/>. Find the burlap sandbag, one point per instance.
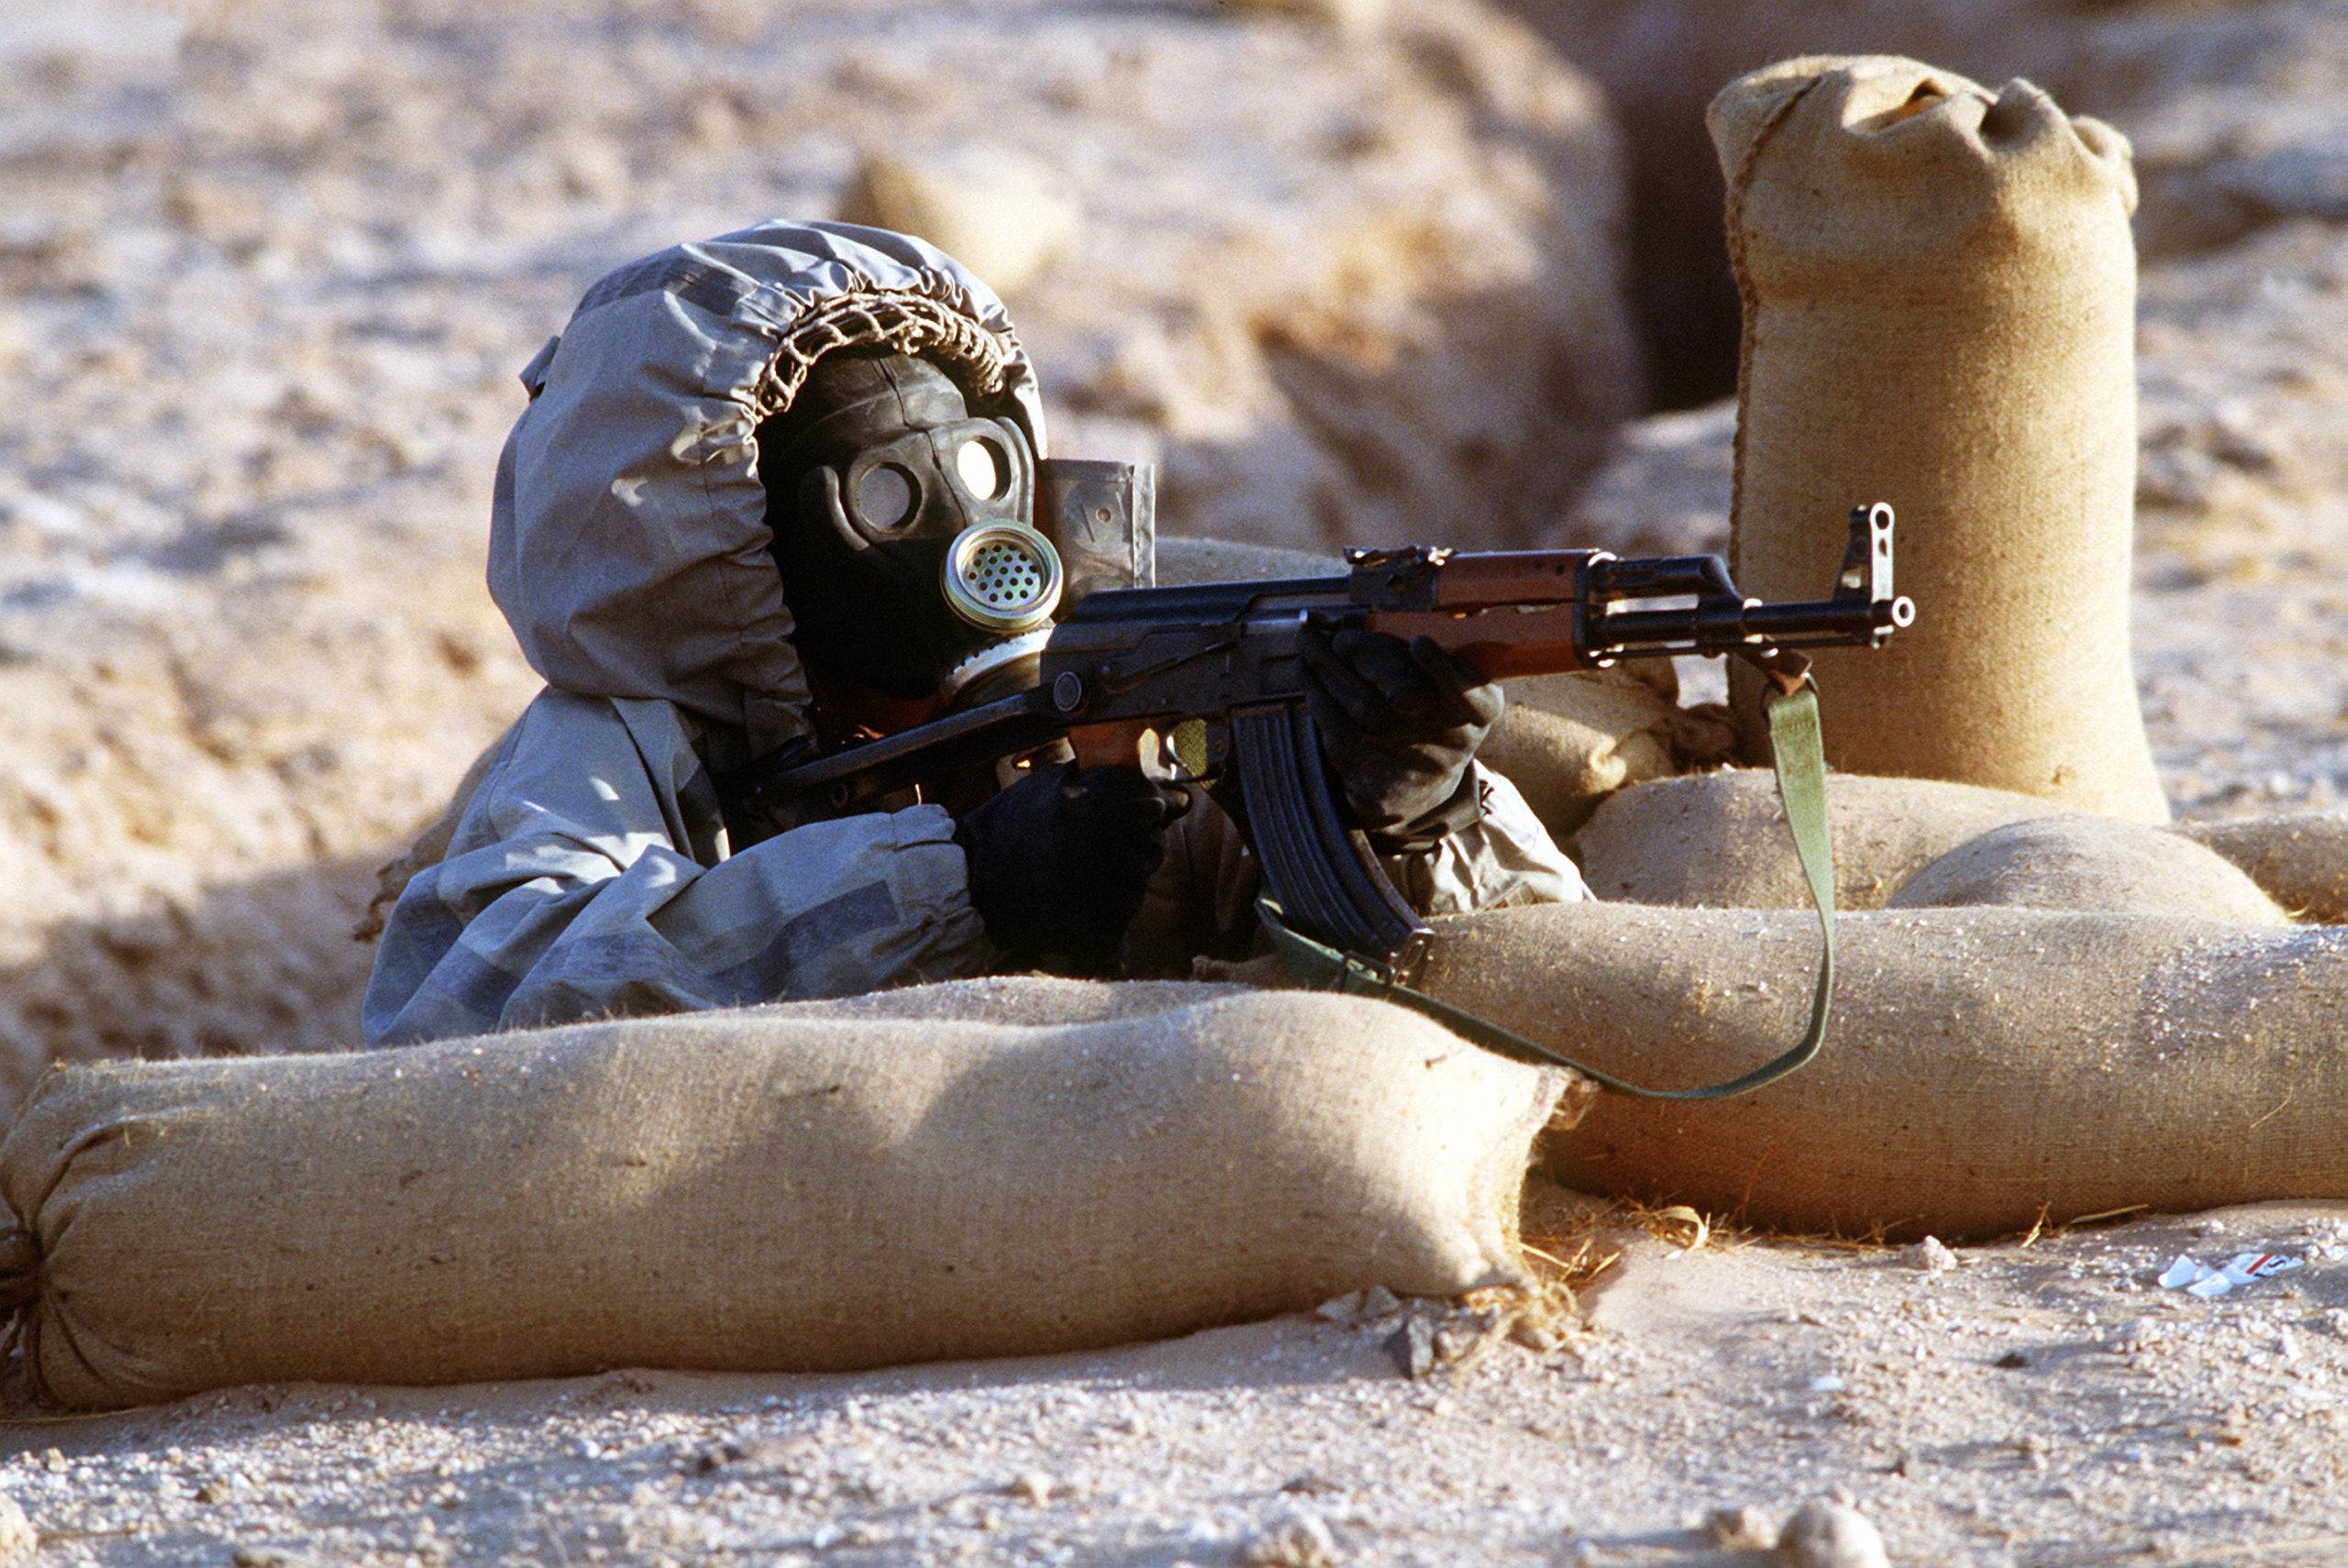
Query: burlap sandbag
<point x="2299" y="857"/>
<point x="1718" y="839"/>
<point x="1984" y="1065"/>
<point x="781" y="1189"/>
<point x="1567" y="742"/>
<point x="1939" y="292"/>
<point x="2079" y="862"/>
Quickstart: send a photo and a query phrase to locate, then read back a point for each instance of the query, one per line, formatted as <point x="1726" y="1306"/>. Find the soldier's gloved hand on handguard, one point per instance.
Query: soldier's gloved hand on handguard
<point x="1058" y="860"/>
<point x="1399" y="722"/>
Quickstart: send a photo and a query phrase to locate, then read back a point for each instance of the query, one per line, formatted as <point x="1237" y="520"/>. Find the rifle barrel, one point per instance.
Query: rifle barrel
<point x="1726" y="628"/>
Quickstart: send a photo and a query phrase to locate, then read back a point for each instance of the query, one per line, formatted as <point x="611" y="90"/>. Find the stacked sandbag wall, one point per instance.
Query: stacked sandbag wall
<point x="1718" y="840"/>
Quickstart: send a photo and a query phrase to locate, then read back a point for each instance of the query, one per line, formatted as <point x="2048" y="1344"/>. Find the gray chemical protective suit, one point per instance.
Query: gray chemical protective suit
<point x="592" y="871"/>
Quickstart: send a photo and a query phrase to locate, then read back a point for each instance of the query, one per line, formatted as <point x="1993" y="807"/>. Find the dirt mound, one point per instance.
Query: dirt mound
<point x="272" y="269"/>
<point x="195" y="794"/>
<point x="2233" y="110"/>
<point x="1333" y="280"/>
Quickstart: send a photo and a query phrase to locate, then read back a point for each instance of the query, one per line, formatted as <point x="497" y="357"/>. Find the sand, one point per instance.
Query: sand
<point x="2043" y="1402"/>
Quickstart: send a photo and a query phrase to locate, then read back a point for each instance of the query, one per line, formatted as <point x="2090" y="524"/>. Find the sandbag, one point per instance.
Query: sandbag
<point x="1986" y="1065"/>
<point x="2299" y="857"/>
<point x="2090" y="862"/>
<point x="1566" y="742"/>
<point x="780" y="1190"/>
<point x="1718" y="839"/>
<point x="1939" y="292"/>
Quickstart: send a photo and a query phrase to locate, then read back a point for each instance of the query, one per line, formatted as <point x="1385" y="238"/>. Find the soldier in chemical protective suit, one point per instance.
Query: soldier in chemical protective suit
<point x="718" y="531"/>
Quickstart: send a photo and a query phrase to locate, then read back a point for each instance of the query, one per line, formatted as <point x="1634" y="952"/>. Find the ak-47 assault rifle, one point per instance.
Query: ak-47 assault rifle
<point x="1224" y="659"/>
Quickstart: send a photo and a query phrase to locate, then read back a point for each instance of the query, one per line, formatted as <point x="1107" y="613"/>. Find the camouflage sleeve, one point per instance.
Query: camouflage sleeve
<point x="588" y="877"/>
<point x="1503" y="859"/>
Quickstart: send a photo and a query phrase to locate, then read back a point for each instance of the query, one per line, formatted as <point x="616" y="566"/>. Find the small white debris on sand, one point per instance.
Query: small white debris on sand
<point x="1299" y="1540"/>
<point x="1830" y="1535"/>
<point x="1741" y="1529"/>
<point x="1929" y="1256"/>
<point x="19" y="1540"/>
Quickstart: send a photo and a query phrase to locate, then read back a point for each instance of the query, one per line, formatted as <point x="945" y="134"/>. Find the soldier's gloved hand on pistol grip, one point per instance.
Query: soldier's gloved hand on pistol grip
<point x="1399" y="722"/>
<point x="1058" y="861"/>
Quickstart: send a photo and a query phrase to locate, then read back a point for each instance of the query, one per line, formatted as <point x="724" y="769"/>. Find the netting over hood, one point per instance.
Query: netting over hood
<point x="628" y="544"/>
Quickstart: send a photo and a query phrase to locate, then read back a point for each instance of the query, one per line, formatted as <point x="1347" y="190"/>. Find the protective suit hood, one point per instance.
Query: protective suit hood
<point x="629" y="541"/>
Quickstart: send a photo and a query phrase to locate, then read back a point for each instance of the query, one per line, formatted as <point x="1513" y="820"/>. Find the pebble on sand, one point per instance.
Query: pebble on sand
<point x="1741" y="1529"/>
<point x="19" y="1540"/>
<point x="1929" y="1256"/>
<point x="1299" y="1540"/>
<point x="1830" y="1535"/>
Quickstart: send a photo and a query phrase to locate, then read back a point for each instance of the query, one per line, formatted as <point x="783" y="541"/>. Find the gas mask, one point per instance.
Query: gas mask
<point x="903" y="530"/>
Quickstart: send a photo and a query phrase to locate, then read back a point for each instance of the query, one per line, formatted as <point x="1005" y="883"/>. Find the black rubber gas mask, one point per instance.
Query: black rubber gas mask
<point x="903" y="528"/>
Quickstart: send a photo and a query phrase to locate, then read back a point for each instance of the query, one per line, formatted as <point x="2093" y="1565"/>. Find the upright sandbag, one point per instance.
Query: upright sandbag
<point x="1986" y="1065"/>
<point x="2299" y="857"/>
<point x="2079" y="862"/>
<point x="1939" y="292"/>
<point x="780" y="1189"/>
<point x="1718" y="839"/>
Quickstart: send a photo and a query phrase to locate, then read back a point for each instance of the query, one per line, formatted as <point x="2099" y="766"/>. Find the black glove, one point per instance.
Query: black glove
<point x="1058" y="861"/>
<point x="1399" y="722"/>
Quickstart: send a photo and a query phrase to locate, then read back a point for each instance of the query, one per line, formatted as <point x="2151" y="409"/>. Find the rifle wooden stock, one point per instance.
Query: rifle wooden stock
<point x="1503" y="644"/>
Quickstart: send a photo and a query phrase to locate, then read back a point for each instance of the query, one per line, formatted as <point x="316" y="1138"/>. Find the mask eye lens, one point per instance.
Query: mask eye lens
<point x="981" y="469"/>
<point x="884" y="498"/>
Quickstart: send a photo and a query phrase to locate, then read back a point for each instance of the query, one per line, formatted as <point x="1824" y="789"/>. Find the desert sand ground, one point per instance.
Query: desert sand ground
<point x="2044" y="1402"/>
<point x="266" y="272"/>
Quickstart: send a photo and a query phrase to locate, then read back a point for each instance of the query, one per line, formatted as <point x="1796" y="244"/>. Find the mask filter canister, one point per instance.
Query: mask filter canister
<point x="1004" y="577"/>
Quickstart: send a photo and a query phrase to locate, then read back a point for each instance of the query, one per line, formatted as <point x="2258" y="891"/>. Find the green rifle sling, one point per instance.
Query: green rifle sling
<point x="1796" y="755"/>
